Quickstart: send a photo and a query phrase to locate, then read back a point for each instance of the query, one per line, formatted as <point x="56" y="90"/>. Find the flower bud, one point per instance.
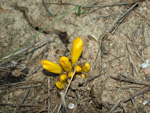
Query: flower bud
<point x="51" y="66"/>
<point x="76" y="51"/>
<point x="65" y="63"/>
<point x="59" y="85"/>
<point x="86" y="67"/>
<point x="70" y="74"/>
<point x="78" y="69"/>
<point x="83" y="76"/>
<point x="63" y="78"/>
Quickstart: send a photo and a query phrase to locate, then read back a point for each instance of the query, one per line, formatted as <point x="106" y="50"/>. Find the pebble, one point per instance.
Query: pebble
<point x="70" y="105"/>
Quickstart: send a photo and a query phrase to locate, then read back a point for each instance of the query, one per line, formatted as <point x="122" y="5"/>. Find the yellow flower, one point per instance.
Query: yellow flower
<point x="65" y="63"/>
<point x="78" y="69"/>
<point x="76" y="51"/>
<point x="83" y="76"/>
<point x="86" y="67"/>
<point x="63" y="78"/>
<point x="59" y="85"/>
<point x="51" y="66"/>
<point x="70" y="74"/>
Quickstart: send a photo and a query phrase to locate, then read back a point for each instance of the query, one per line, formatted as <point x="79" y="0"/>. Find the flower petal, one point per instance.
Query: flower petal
<point x="51" y="66"/>
<point x="70" y="74"/>
<point x="65" y="63"/>
<point x="86" y="67"/>
<point x="76" y="51"/>
<point x="78" y="69"/>
<point x="63" y="78"/>
<point x="83" y="76"/>
<point x="59" y="85"/>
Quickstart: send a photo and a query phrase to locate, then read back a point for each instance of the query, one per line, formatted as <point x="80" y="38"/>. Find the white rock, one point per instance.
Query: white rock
<point x="71" y="106"/>
<point x="146" y="64"/>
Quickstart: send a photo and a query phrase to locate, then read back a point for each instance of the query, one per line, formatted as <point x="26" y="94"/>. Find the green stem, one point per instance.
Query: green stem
<point x="45" y="29"/>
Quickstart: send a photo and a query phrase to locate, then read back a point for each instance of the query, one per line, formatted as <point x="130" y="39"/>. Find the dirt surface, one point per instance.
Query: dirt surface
<point x="114" y="47"/>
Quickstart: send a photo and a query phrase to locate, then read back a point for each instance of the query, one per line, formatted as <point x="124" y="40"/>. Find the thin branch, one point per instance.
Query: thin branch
<point x="66" y="90"/>
<point x="22" y="105"/>
<point x="64" y="108"/>
<point x="49" y="104"/>
<point x="48" y="10"/>
<point x="115" y="106"/>
<point x="135" y="105"/>
<point x="122" y="18"/>
<point x="140" y="93"/>
<point x="21" y="51"/>
<point x="129" y="10"/>
<point x="111" y="5"/>
<point x="19" y="84"/>
<point x="133" y="81"/>
<point x="90" y="6"/>
<point x="117" y="94"/>
<point x="24" y="98"/>
<point x="143" y="32"/>
<point x="32" y="100"/>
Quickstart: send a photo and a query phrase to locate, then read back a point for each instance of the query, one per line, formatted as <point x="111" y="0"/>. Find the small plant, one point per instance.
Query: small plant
<point x="79" y="12"/>
<point x="65" y="65"/>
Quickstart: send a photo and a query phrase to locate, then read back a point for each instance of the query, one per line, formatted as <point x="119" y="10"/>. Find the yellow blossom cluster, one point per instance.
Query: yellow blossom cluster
<point x="66" y="66"/>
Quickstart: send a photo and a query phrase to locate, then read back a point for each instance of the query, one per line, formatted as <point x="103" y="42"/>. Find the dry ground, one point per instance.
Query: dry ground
<point x="115" y="48"/>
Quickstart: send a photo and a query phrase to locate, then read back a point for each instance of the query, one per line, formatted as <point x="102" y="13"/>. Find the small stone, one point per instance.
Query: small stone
<point x="71" y="106"/>
<point x="121" y="66"/>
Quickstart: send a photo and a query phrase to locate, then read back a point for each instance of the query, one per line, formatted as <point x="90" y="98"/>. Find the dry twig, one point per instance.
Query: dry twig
<point x="140" y="93"/>
<point x="64" y="108"/>
<point x="135" y="105"/>
<point x="111" y="5"/>
<point x="18" y="84"/>
<point x="24" y="98"/>
<point x="22" y="51"/>
<point x="66" y="90"/>
<point x="122" y="18"/>
<point x="49" y="11"/>
<point x="115" y="106"/>
<point x="49" y="104"/>
<point x="22" y="105"/>
<point x="130" y="80"/>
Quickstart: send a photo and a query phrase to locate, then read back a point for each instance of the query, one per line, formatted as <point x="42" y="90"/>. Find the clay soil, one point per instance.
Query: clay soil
<point x="116" y="41"/>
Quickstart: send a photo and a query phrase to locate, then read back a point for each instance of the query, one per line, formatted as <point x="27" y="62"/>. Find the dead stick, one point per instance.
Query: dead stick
<point x="116" y="95"/>
<point x="49" y="104"/>
<point x="67" y="89"/>
<point x="111" y="5"/>
<point x="140" y="93"/>
<point x="19" y="84"/>
<point x="49" y="11"/>
<point x="24" y="98"/>
<point x="133" y="102"/>
<point x="121" y="79"/>
<point x="25" y="49"/>
<point x="122" y="18"/>
<point x="22" y="105"/>
<point x="20" y="52"/>
<point x="127" y="11"/>
<point x="64" y="108"/>
<point x="115" y="106"/>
